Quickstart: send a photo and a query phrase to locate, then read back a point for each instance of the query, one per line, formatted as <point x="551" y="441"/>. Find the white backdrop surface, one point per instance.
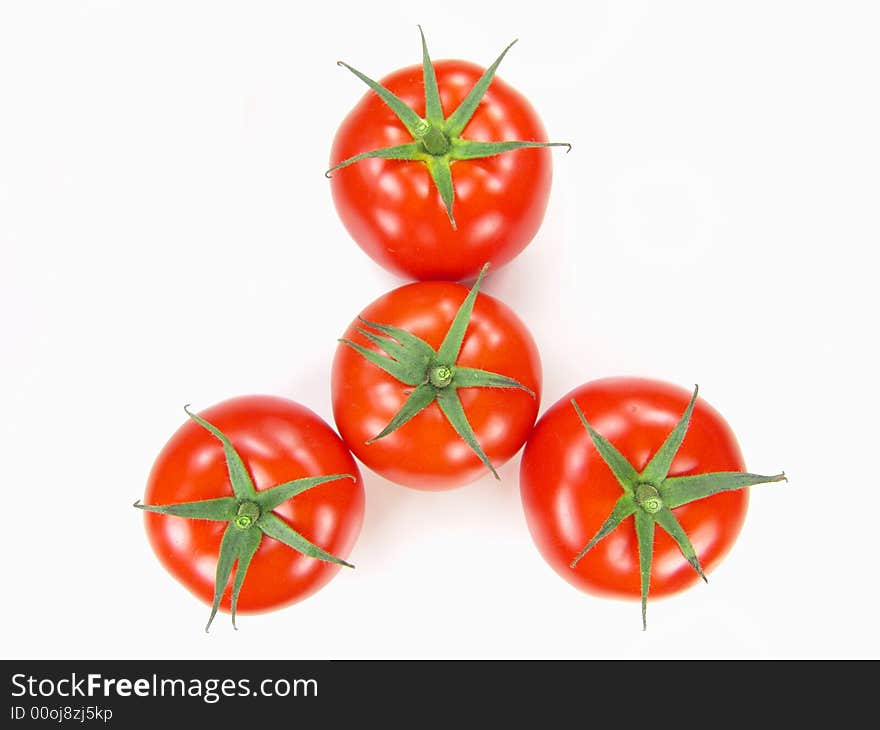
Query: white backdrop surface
<point x="161" y="186"/>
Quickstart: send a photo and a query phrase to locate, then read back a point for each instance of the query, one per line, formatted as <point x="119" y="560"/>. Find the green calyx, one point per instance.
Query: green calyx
<point x="250" y="517"/>
<point x="651" y="495"/>
<point x="437" y="141"/>
<point x="433" y="375"/>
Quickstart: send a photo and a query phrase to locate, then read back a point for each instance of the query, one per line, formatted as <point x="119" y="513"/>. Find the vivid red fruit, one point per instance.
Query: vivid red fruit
<point x="479" y="197"/>
<point x="569" y="489"/>
<point x="426" y="452"/>
<point x="278" y="441"/>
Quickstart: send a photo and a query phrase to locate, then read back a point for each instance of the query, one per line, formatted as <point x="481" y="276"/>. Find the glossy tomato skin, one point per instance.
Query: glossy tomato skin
<point x="568" y="491"/>
<point x="426" y="453"/>
<point x="278" y="440"/>
<point x="392" y="208"/>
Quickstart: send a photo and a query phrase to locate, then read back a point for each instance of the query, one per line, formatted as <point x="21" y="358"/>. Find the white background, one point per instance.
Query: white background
<point x="168" y="237"/>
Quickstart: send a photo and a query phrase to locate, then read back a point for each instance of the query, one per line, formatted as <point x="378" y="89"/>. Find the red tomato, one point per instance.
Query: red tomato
<point x="279" y="441"/>
<point x="426" y="452"/>
<point x="393" y="209"/>
<point x="568" y="490"/>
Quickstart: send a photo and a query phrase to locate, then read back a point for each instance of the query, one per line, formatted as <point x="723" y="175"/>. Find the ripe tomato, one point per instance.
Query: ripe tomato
<point x="426" y="452"/>
<point x="568" y="489"/>
<point x="392" y="207"/>
<point x="278" y="441"/>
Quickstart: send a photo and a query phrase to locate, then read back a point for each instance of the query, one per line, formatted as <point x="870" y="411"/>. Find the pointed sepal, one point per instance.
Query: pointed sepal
<point x="450" y="404"/>
<point x="465" y="149"/>
<point x="458" y="120"/>
<point x="415" y="356"/>
<point x="657" y="469"/>
<point x="273" y="526"/>
<point x="409" y="151"/>
<point x="416" y="344"/>
<point x="405" y="372"/>
<point x="677" y="491"/>
<point x="221" y="509"/>
<point x="476" y="378"/>
<point x="250" y="543"/>
<point x="236" y="545"/>
<point x="645" y="537"/>
<point x="673" y="528"/>
<point x="433" y="108"/>
<point x="621" y="468"/>
<point x="242" y="485"/>
<point x="441" y="174"/>
<point x="418" y="400"/>
<point x="269" y="499"/>
<point x="451" y="346"/>
<point x="623" y="508"/>
<point x="407" y="116"/>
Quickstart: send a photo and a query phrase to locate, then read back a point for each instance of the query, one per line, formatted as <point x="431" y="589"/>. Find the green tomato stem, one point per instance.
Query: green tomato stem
<point x="248" y="513"/>
<point x="441" y="376"/>
<point x="648" y="498"/>
<point x="433" y="139"/>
